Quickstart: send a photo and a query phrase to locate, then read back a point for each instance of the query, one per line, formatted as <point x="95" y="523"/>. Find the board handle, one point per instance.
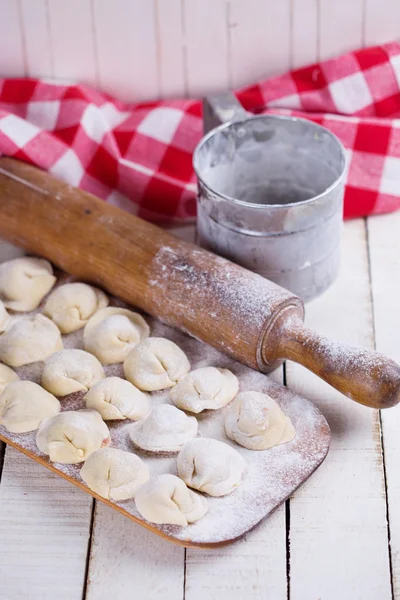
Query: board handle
<point x="366" y="376"/>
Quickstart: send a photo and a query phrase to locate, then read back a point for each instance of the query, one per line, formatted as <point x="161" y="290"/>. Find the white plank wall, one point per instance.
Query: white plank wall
<point x="385" y="270"/>
<point x="338" y="530"/>
<point x="146" y="49"/>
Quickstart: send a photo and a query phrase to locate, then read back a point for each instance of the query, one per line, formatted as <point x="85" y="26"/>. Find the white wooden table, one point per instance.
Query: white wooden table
<point x="337" y="538"/>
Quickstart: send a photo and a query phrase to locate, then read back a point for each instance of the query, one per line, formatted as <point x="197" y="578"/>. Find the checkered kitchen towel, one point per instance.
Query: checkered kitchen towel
<point x="139" y="156"/>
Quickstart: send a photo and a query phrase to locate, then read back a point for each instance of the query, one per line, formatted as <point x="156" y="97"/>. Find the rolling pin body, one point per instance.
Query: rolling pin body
<point x="236" y="311"/>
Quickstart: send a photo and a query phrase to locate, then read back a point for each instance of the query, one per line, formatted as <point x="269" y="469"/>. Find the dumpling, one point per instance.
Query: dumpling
<point x="24" y="282"/>
<point x="72" y="436"/>
<point x="71" y="305"/>
<point x="210" y="466"/>
<point x="205" y="388"/>
<point x="4" y="317"/>
<point x="165" y="429"/>
<point x="113" y="332"/>
<point x="29" y="340"/>
<point x="166" y="500"/>
<point x="114" y="474"/>
<point x="255" y="421"/>
<point x="156" y="364"/>
<point x="71" y="371"/>
<point x="7" y="376"/>
<point x="116" y="398"/>
<point x="24" y="405"/>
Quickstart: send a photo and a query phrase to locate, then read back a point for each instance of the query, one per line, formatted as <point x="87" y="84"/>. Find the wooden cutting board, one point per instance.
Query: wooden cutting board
<point x="273" y="475"/>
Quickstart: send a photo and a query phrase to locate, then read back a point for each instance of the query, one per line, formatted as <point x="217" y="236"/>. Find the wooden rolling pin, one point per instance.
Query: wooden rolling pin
<point x="236" y="311"/>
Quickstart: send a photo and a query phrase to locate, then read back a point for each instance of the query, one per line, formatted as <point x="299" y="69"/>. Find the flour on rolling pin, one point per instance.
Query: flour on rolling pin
<point x="272" y="475"/>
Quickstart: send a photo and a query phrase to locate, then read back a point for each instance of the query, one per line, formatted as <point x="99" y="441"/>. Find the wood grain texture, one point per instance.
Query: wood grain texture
<point x="12" y="49"/>
<point x="385" y="272"/>
<point x="44" y="532"/>
<point x="304" y="32"/>
<point x="340" y="27"/>
<point x="171" y="48"/>
<point x="381" y="21"/>
<point x="338" y="537"/>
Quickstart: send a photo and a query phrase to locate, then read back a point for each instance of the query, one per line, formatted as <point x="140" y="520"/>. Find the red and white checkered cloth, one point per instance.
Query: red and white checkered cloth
<point x="139" y="156"/>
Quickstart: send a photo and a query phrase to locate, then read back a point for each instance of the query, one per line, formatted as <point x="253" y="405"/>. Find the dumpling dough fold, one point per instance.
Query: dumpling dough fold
<point x="114" y="474"/>
<point x="71" y="371"/>
<point x="156" y="364"/>
<point x="71" y="436"/>
<point x="24" y="282"/>
<point x="29" y="339"/>
<point x="113" y="332"/>
<point x="7" y="376"/>
<point x="210" y="466"/>
<point x="166" y="500"/>
<point x="24" y="405"/>
<point x="71" y="305"/>
<point x="4" y="317"/>
<point x="116" y="398"/>
<point x="255" y="421"/>
<point x="165" y="429"/>
<point x="207" y="388"/>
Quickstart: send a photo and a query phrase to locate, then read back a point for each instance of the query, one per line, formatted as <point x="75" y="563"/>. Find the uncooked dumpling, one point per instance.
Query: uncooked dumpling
<point x="71" y="305"/>
<point x="114" y="474"/>
<point x="156" y="364"/>
<point x="113" y="332"/>
<point x="7" y="375"/>
<point x="24" y="282"/>
<point x="72" y="436"/>
<point x="4" y="317"/>
<point x="71" y="371"/>
<point x="28" y="340"/>
<point x="165" y="429"/>
<point x="116" y="398"/>
<point x="24" y="405"/>
<point x="205" y="388"/>
<point x="166" y="500"/>
<point x="255" y="421"/>
<point x="210" y="466"/>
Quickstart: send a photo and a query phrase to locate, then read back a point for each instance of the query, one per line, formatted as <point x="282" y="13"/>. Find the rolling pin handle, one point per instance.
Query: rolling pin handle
<point x="365" y="376"/>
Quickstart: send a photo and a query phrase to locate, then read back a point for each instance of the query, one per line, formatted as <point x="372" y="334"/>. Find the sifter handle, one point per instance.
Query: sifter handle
<point x="366" y="376"/>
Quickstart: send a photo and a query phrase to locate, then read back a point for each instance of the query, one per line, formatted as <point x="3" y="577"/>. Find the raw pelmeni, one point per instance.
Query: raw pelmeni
<point x="72" y="436"/>
<point x="205" y="388"/>
<point x="156" y="364"/>
<point x="24" y="405"/>
<point x="4" y="317"/>
<point x="210" y="466"/>
<point x="71" y="305"/>
<point x="28" y="340"/>
<point x="166" y="500"/>
<point x="7" y="375"/>
<point x="165" y="429"/>
<point x="71" y="371"/>
<point x="24" y="282"/>
<point x="116" y="398"/>
<point x="113" y="332"/>
<point x="114" y="474"/>
<point x="255" y="421"/>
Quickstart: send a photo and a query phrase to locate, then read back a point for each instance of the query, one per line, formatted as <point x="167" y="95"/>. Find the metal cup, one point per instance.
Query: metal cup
<point x="271" y="195"/>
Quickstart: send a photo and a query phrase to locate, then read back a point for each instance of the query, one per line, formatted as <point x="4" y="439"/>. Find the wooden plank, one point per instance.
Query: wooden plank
<point x="385" y="273"/>
<point x="340" y="27"/>
<point x="206" y="46"/>
<point x="338" y="536"/>
<point x="44" y="529"/>
<point x="12" y="51"/>
<point x="254" y="567"/>
<point x="260" y="39"/>
<point x="126" y="45"/>
<point x="36" y="30"/>
<point x="304" y="32"/>
<point x="128" y="561"/>
<point x="381" y="21"/>
<point x="72" y="40"/>
<point x="170" y="45"/>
